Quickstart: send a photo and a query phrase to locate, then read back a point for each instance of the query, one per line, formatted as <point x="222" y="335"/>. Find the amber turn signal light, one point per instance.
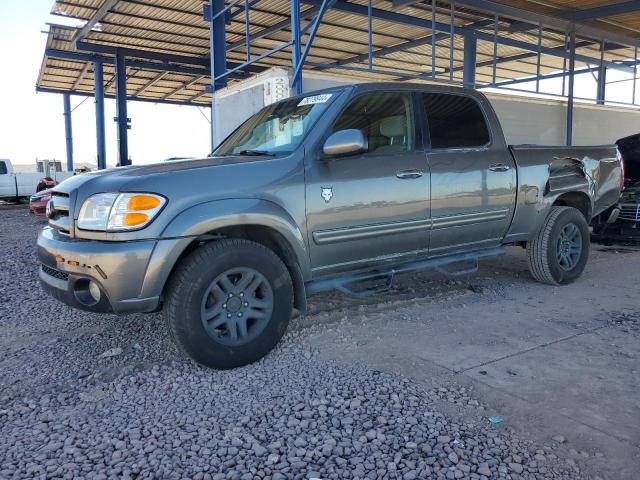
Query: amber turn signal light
<point x="134" y="219"/>
<point x="143" y="202"/>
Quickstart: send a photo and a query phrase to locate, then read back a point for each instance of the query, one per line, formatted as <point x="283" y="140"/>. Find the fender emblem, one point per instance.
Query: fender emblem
<point x="327" y="193"/>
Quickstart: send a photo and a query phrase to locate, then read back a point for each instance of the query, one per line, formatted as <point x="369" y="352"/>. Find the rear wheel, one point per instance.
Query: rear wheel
<point x="558" y="254"/>
<point x="229" y="303"/>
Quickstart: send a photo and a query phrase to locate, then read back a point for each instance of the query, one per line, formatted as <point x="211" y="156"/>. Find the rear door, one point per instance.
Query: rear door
<point x="365" y="209"/>
<point x="473" y="176"/>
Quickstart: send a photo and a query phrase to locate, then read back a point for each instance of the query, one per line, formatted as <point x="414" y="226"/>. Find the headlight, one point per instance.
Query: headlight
<point x="113" y="212"/>
<point x="40" y="196"/>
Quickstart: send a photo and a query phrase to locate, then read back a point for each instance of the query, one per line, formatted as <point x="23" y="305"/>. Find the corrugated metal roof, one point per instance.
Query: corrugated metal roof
<point x="177" y="27"/>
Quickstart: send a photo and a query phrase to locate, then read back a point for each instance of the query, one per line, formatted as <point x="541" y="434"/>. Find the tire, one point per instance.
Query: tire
<point x="205" y="311"/>
<point x="552" y="258"/>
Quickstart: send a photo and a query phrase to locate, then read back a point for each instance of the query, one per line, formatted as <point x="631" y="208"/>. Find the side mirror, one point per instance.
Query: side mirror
<point x="345" y="142"/>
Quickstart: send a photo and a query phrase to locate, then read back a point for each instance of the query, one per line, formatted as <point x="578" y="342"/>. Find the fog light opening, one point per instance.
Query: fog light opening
<point x="87" y="292"/>
<point x="94" y="291"/>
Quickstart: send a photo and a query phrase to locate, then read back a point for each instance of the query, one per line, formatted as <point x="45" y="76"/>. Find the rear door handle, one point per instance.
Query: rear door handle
<point x="499" y="167"/>
<point x="408" y="174"/>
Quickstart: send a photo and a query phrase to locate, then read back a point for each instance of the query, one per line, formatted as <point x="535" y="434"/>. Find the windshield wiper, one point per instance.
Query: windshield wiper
<point x="257" y="153"/>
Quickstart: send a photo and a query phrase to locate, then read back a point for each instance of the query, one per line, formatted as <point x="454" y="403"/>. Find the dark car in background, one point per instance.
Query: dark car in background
<point x="622" y="222"/>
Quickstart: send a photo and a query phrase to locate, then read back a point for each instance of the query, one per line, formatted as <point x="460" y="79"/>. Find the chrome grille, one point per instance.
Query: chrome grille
<point x="630" y="211"/>
<point x="59" y="212"/>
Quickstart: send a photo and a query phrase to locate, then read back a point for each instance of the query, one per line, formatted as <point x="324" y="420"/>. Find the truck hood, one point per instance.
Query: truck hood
<point x="188" y="182"/>
<point x="117" y="179"/>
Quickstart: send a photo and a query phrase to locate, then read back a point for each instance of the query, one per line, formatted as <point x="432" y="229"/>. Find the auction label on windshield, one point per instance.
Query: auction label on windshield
<point x="315" y="99"/>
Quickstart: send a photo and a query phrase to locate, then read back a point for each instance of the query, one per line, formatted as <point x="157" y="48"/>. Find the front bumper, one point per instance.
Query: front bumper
<point x="38" y="209"/>
<point x="118" y="268"/>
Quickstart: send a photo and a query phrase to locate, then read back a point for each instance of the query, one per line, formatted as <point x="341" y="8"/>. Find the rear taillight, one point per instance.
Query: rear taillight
<point x="621" y="170"/>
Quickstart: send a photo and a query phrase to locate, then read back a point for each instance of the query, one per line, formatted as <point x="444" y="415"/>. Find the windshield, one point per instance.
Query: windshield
<point x="276" y="129"/>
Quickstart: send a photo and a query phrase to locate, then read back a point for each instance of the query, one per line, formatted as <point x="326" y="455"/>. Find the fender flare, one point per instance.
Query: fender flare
<point x="207" y="217"/>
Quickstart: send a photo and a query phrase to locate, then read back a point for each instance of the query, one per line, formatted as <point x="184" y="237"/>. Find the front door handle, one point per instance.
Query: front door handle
<point x="408" y="174"/>
<point x="499" y="167"/>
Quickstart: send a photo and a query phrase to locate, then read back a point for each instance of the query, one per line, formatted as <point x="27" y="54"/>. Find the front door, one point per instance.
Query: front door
<point x="473" y="176"/>
<point x="373" y="207"/>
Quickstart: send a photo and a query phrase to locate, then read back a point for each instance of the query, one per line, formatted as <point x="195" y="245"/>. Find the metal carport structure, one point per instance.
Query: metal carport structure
<point x="181" y="51"/>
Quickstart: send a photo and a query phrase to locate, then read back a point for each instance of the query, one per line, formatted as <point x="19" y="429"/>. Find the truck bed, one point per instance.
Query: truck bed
<point x="595" y="168"/>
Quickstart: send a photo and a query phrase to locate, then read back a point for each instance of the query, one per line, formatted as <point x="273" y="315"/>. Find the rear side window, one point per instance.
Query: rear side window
<point x="455" y="121"/>
<point x="3" y="168"/>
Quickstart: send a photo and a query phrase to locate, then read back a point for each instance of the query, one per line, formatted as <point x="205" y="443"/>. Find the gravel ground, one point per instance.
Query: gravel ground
<point x="100" y="396"/>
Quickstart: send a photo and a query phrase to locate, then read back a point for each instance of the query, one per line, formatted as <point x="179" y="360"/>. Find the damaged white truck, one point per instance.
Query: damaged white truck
<point x="315" y="192"/>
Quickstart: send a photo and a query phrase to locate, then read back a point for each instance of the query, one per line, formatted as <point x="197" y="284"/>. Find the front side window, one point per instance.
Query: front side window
<point x="3" y="168"/>
<point x="455" y="121"/>
<point x="276" y="129"/>
<point x="384" y="118"/>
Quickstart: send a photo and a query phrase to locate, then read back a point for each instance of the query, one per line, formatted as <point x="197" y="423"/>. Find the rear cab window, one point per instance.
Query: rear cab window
<point x="455" y="121"/>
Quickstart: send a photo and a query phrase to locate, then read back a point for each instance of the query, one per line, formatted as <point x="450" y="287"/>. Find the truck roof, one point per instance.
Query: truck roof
<point x="400" y="86"/>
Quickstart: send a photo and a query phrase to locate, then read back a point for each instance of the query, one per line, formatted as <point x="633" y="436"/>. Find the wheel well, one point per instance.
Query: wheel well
<point x="576" y="200"/>
<point x="271" y="239"/>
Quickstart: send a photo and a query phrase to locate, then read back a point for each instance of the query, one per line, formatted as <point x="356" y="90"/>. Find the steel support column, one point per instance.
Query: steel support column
<point x="296" y="81"/>
<point x="469" y="67"/>
<point x="121" y="110"/>
<point x="217" y="37"/>
<point x="572" y="74"/>
<point x="98" y="87"/>
<point x="602" y="84"/>
<point x="218" y="56"/>
<point x="67" y="130"/>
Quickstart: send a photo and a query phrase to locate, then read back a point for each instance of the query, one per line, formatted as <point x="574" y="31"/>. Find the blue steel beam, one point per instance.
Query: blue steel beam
<point x="67" y="130"/>
<point x="94" y="20"/>
<point x="121" y="110"/>
<point x="296" y="56"/>
<point x="107" y="60"/>
<point x="407" y="45"/>
<point x="147" y="65"/>
<point x="61" y="91"/>
<point x="150" y="83"/>
<point x="602" y="85"/>
<point x="602" y="78"/>
<point x="572" y="75"/>
<point x="603" y="11"/>
<point x="276" y="27"/>
<point x="297" y="63"/>
<point x="157" y="56"/>
<point x="528" y="16"/>
<point x="144" y="54"/>
<point x="214" y="14"/>
<point x="81" y="76"/>
<point x="469" y="65"/>
<point x="98" y="88"/>
<point x="399" y="18"/>
<point x="547" y="76"/>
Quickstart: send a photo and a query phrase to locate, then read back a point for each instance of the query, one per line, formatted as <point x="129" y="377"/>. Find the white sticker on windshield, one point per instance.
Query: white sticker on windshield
<point x="315" y="99"/>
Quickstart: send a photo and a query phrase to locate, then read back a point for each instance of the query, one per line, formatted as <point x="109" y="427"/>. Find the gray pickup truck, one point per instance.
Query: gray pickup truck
<point x="318" y="191"/>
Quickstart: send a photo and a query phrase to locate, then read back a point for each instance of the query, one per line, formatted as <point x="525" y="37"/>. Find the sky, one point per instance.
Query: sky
<point x="32" y="125"/>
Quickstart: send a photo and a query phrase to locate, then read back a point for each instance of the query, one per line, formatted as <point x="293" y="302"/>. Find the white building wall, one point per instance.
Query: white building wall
<point x="538" y="121"/>
<point x="524" y="119"/>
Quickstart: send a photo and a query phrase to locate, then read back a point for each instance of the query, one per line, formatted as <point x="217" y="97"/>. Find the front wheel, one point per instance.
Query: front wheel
<point x="229" y="303"/>
<point x="558" y="253"/>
